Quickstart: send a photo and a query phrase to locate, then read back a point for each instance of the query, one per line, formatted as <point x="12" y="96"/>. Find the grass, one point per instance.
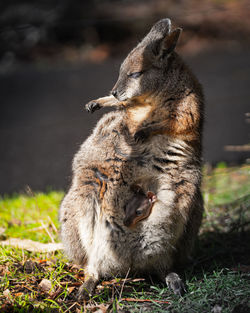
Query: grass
<point x="217" y="281"/>
<point x="24" y="215"/>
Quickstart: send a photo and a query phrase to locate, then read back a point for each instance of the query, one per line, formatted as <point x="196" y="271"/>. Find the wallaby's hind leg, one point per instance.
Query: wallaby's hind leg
<point x="175" y="283"/>
<point x="87" y="289"/>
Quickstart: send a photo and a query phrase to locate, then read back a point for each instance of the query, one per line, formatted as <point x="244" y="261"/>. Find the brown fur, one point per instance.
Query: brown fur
<point x="153" y="139"/>
<point x="139" y="206"/>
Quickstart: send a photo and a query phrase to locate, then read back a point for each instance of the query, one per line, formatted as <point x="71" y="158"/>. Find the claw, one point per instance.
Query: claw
<point x="175" y="283"/>
<point x="92" y="106"/>
<point x="87" y="289"/>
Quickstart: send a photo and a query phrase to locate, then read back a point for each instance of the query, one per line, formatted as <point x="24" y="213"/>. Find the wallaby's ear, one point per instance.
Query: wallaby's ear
<point x="158" y="31"/>
<point x="169" y="43"/>
<point x="161" y="41"/>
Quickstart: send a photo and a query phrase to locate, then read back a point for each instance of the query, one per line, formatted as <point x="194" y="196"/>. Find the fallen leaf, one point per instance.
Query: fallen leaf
<point x="30" y="245"/>
<point x="46" y="286"/>
<point x="70" y="289"/>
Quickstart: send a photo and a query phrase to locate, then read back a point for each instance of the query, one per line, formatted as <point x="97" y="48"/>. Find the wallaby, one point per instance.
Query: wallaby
<point x="139" y="206"/>
<point x="153" y="138"/>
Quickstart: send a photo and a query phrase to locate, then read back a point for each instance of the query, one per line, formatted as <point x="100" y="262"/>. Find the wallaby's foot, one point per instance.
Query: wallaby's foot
<point x="175" y="283"/>
<point x="92" y="106"/>
<point x="141" y="135"/>
<point x="87" y="289"/>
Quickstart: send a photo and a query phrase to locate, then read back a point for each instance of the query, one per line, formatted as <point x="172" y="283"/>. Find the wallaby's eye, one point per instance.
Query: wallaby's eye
<point x="138" y="212"/>
<point x="135" y="74"/>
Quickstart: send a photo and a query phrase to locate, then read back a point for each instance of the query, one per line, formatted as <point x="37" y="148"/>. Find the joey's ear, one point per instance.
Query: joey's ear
<point x="168" y="44"/>
<point x="151" y="196"/>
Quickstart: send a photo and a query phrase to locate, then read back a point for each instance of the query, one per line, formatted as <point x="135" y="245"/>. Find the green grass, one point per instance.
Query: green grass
<point x="23" y="216"/>
<point x="218" y="276"/>
<point x="225" y="185"/>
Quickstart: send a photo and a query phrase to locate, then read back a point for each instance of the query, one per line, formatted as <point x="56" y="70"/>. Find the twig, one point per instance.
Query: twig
<point x="70" y="307"/>
<point x="143" y="300"/>
<point x="29" y="288"/>
<point x="120" y="295"/>
<point x="70" y="284"/>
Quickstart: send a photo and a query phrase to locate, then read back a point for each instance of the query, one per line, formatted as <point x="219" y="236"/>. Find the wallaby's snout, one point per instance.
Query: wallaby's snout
<point x="120" y="90"/>
<point x="114" y="93"/>
<point x="143" y="71"/>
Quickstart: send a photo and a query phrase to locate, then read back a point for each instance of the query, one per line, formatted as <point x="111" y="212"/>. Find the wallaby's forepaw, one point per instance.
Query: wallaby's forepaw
<point x="175" y="283"/>
<point x="92" y="106"/>
<point x="141" y="135"/>
<point x="87" y="289"/>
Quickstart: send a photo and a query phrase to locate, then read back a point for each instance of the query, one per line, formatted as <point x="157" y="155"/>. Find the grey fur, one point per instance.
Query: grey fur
<point x="154" y="140"/>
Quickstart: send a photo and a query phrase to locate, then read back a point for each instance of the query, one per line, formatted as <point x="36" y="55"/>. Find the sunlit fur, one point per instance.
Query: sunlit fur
<point x="154" y="140"/>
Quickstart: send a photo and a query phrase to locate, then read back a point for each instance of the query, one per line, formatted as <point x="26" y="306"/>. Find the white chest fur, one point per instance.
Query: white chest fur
<point x="139" y="113"/>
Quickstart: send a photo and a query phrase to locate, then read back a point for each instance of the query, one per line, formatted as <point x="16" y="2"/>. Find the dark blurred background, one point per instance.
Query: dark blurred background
<point x="56" y="55"/>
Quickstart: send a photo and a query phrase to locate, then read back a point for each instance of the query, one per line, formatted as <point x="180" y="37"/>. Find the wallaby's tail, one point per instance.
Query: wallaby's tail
<point x="77" y="216"/>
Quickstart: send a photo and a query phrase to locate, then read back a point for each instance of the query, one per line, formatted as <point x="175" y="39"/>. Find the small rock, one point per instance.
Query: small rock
<point x="217" y="309"/>
<point x="46" y="285"/>
<point x="7" y="293"/>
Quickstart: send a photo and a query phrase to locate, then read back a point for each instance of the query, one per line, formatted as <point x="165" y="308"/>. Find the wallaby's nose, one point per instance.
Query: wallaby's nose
<point x="114" y="93"/>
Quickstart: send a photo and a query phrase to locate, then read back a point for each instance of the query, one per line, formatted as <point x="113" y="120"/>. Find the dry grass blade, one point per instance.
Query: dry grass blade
<point x="48" y="232"/>
<point x="120" y="295"/>
<point x="68" y="309"/>
<point x="52" y="224"/>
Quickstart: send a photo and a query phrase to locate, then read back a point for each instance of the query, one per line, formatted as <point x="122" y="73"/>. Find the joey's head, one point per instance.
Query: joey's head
<point x="138" y="207"/>
<point x="144" y="70"/>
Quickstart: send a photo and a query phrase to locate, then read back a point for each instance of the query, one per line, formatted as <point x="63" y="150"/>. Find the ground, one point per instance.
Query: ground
<point x="217" y="280"/>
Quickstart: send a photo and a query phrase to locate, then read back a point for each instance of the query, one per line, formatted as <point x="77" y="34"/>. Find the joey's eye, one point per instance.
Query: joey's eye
<point x="138" y="212"/>
<point x="135" y="74"/>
